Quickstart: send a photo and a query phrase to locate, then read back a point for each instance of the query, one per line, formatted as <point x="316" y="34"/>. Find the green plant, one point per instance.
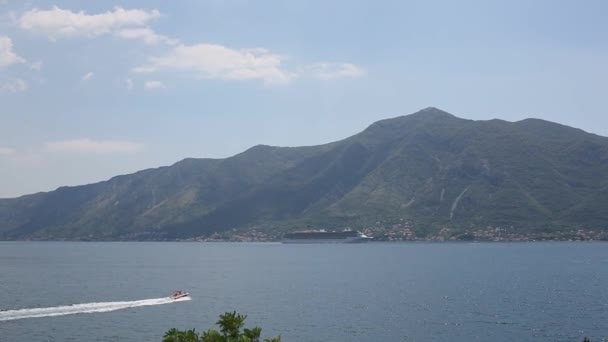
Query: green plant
<point x="230" y="324"/>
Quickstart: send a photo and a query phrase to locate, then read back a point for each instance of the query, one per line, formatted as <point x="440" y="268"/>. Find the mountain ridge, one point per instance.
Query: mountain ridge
<point x="430" y="168"/>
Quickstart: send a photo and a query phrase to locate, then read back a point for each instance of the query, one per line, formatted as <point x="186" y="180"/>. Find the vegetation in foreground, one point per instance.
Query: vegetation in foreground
<point x="230" y="324"/>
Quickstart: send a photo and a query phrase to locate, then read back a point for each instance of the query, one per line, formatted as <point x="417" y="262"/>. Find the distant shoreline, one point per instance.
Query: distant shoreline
<point x="280" y="243"/>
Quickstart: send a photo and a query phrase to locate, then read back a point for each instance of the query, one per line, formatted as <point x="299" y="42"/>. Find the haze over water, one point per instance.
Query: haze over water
<point x="368" y="292"/>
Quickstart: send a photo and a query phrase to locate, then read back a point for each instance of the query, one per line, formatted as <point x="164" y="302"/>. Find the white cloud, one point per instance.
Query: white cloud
<point x="219" y="62"/>
<point x="129" y="83"/>
<point x="88" y="146"/>
<point x="60" y="23"/>
<point x="327" y="71"/>
<point x="13" y="86"/>
<point x="36" y="66"/>
<point x="6" y="151"/>
<point x="146" y="34"/>
<point x="154" y="85"/>
<point x="88" y="76"/>
<point x="7" y="55"/>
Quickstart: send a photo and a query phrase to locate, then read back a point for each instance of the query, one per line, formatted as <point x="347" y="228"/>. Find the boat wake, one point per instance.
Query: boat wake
<point x="10" y="315"/>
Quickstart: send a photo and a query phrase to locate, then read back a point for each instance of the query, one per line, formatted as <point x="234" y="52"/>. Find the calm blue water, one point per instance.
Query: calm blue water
<point x="366" y="292"/>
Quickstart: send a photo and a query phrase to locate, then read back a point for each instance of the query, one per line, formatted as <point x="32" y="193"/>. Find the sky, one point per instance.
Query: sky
<point x="93" y="89"/>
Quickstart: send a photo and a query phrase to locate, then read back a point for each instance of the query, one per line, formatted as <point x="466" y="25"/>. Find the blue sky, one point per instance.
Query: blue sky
<point x="89" y="90"/>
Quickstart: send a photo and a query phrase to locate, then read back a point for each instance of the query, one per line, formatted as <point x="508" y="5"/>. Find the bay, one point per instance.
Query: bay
<point x="360" y="292"/>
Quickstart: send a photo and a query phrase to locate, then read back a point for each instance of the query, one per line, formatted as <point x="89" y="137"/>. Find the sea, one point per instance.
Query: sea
<point x="116" y="291"/>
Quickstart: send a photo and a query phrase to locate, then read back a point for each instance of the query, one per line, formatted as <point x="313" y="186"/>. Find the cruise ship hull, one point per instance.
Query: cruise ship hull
<point x="344" y="240"/>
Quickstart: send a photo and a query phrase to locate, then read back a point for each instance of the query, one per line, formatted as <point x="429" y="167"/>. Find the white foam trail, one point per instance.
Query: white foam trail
<point x="10" y="315"/>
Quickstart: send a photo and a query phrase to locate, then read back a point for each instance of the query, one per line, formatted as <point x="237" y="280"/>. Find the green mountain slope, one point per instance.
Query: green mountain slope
<point x="430" y="168"/>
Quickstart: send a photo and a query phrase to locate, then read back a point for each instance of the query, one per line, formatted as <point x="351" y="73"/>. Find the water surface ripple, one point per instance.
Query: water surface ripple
<point x="366" y="292"/>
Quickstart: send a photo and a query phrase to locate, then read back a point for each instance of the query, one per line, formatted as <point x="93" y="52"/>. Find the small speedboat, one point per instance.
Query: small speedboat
<point x="179" y="294"/>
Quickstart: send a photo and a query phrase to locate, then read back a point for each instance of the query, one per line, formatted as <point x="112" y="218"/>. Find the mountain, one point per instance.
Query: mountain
<point x="429" y="168"/>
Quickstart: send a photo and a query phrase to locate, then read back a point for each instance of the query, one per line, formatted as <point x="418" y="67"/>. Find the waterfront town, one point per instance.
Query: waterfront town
<point x="405" y="231"/>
